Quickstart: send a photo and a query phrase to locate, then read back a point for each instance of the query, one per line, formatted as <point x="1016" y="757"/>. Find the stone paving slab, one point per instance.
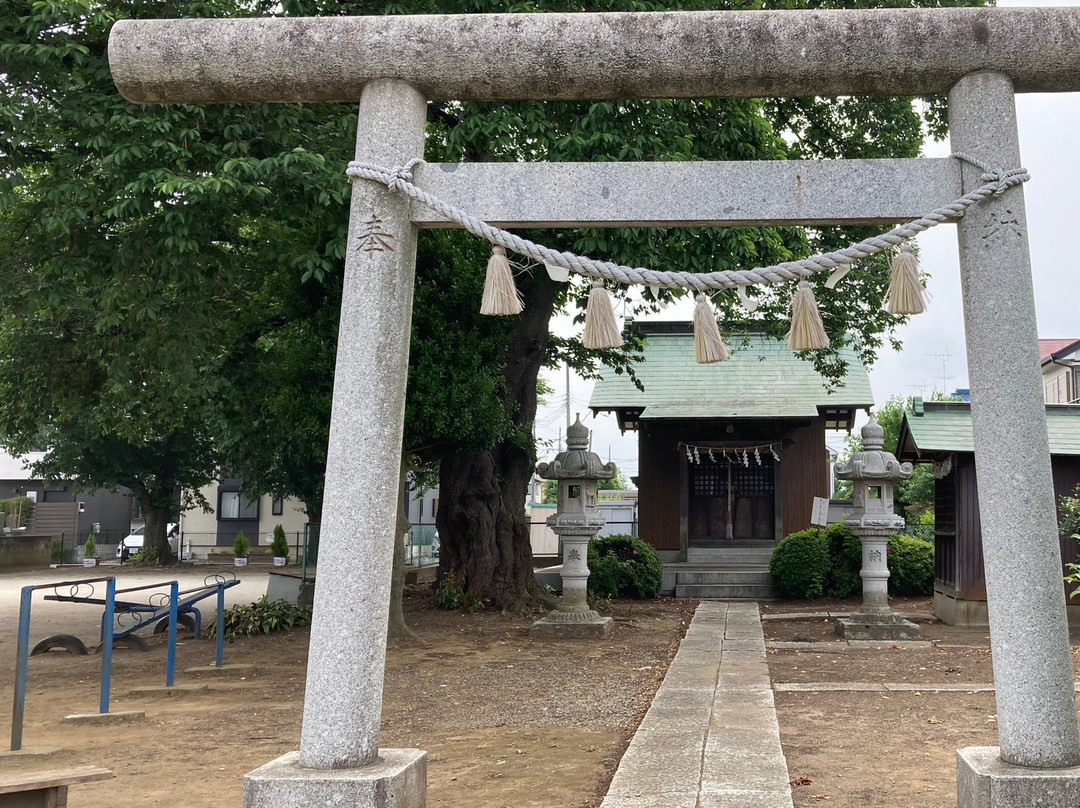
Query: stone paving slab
<point x="843" y="646"/>
<point x="917" y="617"/>
<point x="710" y="738"/>
<point x="886" y="687"/>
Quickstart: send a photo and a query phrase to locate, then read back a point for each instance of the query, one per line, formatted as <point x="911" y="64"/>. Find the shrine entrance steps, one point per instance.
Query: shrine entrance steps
<point x="728" y="573"/>
<point x="710" y="738"/>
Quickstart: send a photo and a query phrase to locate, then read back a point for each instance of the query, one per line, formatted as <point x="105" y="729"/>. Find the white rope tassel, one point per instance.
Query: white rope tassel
<point x="601" y="328"/>
<point x="807" y="331"/>
<point x="906" y="293"/>
<point x="708" y="343"/>
<point x="500" y="294"/>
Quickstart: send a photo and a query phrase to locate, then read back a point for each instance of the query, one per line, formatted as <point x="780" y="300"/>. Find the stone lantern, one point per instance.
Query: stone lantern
<point x="575" y="522"/>
<point x="873" y="473"/>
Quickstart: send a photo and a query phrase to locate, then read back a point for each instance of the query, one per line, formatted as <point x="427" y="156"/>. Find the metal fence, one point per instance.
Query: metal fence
<point x="919" y="531"/>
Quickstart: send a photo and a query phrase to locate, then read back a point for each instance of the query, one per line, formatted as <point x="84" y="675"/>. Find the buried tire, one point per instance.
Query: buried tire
<point x="184" y="622"/>
<point x="63" y="642"/>
<point x="130" y="641"/>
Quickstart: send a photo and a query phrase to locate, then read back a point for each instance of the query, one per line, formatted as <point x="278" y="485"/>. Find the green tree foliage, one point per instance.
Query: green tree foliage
<point x="137" y="243"/>
<point x="913" y="497"/>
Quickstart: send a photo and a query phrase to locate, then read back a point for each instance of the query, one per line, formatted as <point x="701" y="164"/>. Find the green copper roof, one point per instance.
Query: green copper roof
<point x="945" y="426"/>
<point x="762" y="379"/>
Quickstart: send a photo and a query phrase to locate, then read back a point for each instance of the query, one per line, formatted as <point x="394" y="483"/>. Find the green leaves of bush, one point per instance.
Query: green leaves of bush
<point x="624" y="566"/>
<point x="261" y="617"/>
<point x="800" y="565"/>
<point x="816" y="563"/>
<point x="911" y="566"/>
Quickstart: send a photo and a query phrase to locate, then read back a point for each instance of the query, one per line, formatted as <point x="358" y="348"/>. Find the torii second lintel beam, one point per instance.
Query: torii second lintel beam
<point x="596" y="56"/>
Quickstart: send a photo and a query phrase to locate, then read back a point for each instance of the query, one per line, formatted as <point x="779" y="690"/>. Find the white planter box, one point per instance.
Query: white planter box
<point x="281" y="561"/>
<point x="89" y="562"/>
<point x="240" y="562"/>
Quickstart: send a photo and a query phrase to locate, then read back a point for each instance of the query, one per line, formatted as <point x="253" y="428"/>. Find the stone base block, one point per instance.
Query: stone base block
<point x="549" y="629"/>
<point x="228" y="667"/>
<point x="97" y="719"/>
<point x="31" y="751"/>
<point x="397" y="780"/>
<point x="164" y="690"/>
<point x="984" y="781"/>
<point x="877" y="627"/>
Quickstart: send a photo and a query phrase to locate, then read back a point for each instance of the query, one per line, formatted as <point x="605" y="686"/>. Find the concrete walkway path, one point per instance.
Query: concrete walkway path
<point x="710" y="738"/>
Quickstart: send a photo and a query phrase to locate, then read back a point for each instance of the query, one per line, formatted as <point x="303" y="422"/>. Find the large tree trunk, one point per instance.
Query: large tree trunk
<point x="155" y="531"/>
<point x="481" y="518"/>
<point x="396" y="628"/>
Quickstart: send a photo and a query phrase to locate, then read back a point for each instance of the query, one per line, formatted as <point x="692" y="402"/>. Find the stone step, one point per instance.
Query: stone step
<point x="725" y="591"/>
<point x="732" y="555"/>
<point x="725" y="576"/>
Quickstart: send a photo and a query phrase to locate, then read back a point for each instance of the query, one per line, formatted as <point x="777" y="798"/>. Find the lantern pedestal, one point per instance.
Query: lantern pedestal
<point x="873" y="472"/>
<point x="575" y="521"/>
<point x="574" y="619"/>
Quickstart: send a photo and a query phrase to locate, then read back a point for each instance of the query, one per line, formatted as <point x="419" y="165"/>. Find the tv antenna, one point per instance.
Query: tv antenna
<point x="944" y="358"/>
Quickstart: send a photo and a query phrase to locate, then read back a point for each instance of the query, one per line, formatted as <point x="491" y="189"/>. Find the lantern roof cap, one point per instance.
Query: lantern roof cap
<point x="577" y="462"/>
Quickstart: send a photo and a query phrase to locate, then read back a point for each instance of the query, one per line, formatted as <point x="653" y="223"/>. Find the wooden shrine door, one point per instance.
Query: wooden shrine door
<point x="730" y="503"/>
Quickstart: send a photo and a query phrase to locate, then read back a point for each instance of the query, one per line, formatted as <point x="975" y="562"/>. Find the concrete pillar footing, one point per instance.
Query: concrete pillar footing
<point x="398" y="779"/>
<point x="983" y="780"/>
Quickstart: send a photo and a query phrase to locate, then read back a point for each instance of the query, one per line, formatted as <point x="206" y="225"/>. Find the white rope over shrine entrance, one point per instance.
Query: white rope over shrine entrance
<point x="906" y="292"/>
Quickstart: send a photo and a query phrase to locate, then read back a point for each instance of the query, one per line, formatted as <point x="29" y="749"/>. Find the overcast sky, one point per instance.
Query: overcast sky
<point x="1048" y="135"/>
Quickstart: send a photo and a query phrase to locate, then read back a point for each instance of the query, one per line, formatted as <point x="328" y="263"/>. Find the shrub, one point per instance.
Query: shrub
<point x="90" y="550"/>
<point x="60" y="553"/>
<point x="147" y="557"/>
<point x="449" y="592"/>
<point x="845" y="561"/>
<point x="261" y="617"/>
<point x="1069" y="507"/>
<point x="241" y="545"/>
<point x="800" y="565"/>
<point x="911" y="566"/>
<point x="624" y="566"/>
<point x="280" y="545"/>
<point x="20" y="509"/>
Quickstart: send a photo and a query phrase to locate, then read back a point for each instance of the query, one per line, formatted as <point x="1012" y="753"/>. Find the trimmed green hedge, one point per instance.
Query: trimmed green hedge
<point x="800" y="565"/>
<point x="624" y="567"/>
<point x="911" y="566"/>
<point x="816" y="563"/>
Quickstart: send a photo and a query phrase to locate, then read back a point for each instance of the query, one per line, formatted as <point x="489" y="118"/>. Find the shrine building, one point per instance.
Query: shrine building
<point x="730" y="455"/>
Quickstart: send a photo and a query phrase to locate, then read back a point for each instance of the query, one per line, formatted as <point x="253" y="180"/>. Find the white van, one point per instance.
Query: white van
<point x="132" y="543"/>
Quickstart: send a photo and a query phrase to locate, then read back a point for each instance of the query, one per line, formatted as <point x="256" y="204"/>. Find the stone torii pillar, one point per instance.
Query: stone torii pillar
<point x="340" y="762"/>
<point x="980" y="56"/>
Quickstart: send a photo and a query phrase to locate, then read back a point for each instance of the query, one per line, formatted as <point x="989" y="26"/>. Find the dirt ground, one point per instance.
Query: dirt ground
<point x="881" y="750"/>
<point x="497" y="713"/>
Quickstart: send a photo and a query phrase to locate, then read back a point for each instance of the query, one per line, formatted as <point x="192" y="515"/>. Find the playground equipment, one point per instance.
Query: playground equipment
<point x="120" y="619"/>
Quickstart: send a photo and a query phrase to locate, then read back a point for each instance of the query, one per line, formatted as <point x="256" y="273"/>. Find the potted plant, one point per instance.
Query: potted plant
<point x="280" y="547"/>
<point x="240" y="548"/>
<point x="90" y="552"/>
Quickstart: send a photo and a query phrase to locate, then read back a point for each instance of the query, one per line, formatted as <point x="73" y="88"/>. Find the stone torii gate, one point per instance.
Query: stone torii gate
<point x="394" y="65"/>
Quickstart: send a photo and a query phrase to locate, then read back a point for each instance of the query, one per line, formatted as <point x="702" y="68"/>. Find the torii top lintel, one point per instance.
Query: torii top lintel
<point x="596" y="56"/>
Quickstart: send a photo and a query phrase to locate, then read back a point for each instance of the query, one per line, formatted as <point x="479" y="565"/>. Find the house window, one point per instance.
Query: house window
<point x="277" y="506"/>
<point x="234" y="505"/>
<point x="434" y="507"/>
